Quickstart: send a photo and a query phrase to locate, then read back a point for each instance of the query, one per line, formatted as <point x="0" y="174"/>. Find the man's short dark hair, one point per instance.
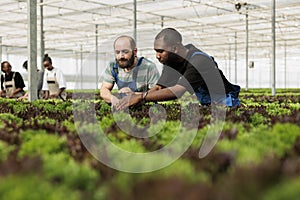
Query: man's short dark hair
<point x="170" y="36"/>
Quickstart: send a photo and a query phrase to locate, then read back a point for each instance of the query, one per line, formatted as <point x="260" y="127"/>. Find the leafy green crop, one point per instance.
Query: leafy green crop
<point x="182" y="169"/>
<point x="5" y="149"/>
<point x="277" y="110"/>
<point x="58" y="165"/>
<point x="20" y="108"/>
<point x="260" y="142"/>
<point x="164" y="132"/>
<point x="294" y="106"/>
<point x="32" y="187"/>
<point x="64" y="170"/>
<point x="131" y="145"/>
<point x="287" y="190"/>
<point x="53" y="131"/>
<point x="41" y="143"/>
<point x="258" y="119"/>
<point x="10" y="119"/>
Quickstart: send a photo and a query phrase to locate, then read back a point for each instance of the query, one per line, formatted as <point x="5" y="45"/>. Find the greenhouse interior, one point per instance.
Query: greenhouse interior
<point x="236" y="33"/>
<point x="144" y="146"/>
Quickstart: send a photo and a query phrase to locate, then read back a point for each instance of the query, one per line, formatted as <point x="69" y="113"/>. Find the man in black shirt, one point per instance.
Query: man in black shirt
<point x="186" y="68"/>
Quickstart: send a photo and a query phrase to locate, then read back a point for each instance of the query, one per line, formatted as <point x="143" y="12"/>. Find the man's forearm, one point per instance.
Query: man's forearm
<point x="163" y="94"/>
<point x="16" y="91"/>
<point x="105" y="95"/>
<point x="156" y="87"/>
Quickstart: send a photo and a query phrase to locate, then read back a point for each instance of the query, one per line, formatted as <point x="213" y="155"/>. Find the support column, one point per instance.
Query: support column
<point x="235" y="58"/>
<point x="229" y="63"/>
<point x="42" y="44"/>
<point x="32" y="49"/>
<point x="162" y="21"/>
<point x="81" y="67"/>
<point x="134" y="21"/>
<point x="285" y="65"/>
<point x="273" y="49"/>
<point x="0" y="49"/>
<point x="247" y="47"/>
<point x="96" y="56"/>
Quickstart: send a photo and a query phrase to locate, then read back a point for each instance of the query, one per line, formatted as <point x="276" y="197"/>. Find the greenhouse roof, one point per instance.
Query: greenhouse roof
<point x="216" y="25"/>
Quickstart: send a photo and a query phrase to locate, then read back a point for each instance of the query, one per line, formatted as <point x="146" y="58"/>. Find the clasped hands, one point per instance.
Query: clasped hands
<point x="130" y="98"/>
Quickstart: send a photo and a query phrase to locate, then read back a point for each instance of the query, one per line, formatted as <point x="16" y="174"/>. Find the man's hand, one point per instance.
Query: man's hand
<point x="129" y="101"/>
<point x="114" y="101"/>
<point x="125" y="90"/>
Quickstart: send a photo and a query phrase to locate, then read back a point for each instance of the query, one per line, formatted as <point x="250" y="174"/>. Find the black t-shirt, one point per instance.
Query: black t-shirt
<point x="19" y="82"/>
<point x="197" y="70"/>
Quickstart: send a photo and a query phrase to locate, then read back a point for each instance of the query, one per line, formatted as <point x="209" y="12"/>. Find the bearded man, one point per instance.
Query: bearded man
<point x="132" y="74"/>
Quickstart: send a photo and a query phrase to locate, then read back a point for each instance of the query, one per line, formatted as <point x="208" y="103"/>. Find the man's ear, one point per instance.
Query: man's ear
<point x="175" y="49"/>
<point x="135" y="51"/>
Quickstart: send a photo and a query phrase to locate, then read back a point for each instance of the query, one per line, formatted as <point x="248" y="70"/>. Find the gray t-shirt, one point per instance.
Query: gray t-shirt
<point x="147" y="75"/>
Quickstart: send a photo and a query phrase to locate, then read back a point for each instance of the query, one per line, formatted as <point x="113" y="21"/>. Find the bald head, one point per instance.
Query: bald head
<point x="126" y="39"/>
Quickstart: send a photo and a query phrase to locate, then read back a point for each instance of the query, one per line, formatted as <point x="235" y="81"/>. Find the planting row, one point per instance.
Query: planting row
<point x="43" y="155"/>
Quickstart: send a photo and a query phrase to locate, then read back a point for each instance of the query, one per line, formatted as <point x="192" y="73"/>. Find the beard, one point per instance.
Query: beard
<point x="126" y="63"/>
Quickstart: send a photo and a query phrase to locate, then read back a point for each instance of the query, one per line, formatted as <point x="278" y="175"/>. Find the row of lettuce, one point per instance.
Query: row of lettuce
<point x="42" y="155"/>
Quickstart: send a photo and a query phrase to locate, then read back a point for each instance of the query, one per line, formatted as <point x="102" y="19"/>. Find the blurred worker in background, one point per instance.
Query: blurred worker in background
<point x="54" y="83"/>
<point x="12" y="83"/>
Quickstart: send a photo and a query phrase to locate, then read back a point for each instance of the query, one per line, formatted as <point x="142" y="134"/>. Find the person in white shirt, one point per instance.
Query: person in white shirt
<point x="54" y="83"/>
